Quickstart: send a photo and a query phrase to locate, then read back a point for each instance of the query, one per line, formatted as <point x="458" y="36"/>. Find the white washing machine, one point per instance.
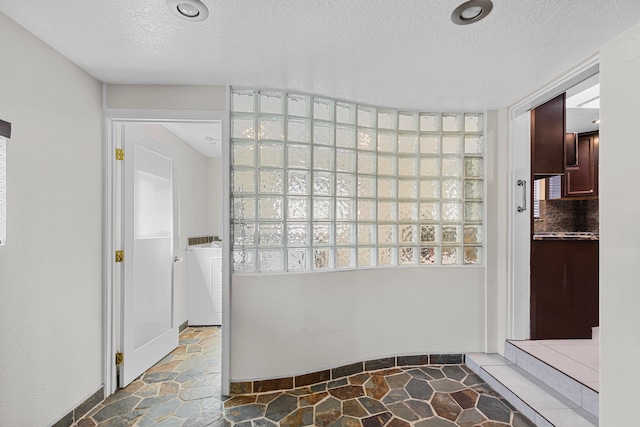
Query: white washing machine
<point x="204" y="285"/>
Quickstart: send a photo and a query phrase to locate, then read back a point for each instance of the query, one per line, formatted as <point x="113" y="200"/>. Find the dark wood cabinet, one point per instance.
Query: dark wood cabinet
<point x="581" y="177"/>
<point x="548" y="137"/>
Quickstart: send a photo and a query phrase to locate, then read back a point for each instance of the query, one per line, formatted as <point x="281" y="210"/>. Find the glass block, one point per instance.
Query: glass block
<point x="271" y="103"/>
<point x="322" y="259"/>
<point x="345" y="209"/>
<point x="244" y="261"/>
<point x="407" y="211"/>
<point x="472" y="189"/>
<point x="386" y="234"/>
<point x="429" y="122"/>
<point x="244" y="208"/>
<point x="271" y="181"/>
<point x="244" y="234"/>
<point x="345" y="233"/>
<point x="299" y="156"/>
<point x="386" y="142"/>
<point x="270" y="234"/>
<point x="408" y="189"/>
<point x="366" y="139"/>
<point x="244" y="181"/>
<point x="297" y="259"/>
<point x="270" y="208"/>
<point x="473" y="211"/>
<point x="429" y="144"/>
<point x="450" y="255"/>
<point x="297" y="208"/>
<point x="407" y="256"/>
<point x="451" y="145"/>
<point x="244" y="154"/>
<point x="429" y="233"/>
<point x="386" y="165"/>
<point x="345" y="185"/>
<point x="366" y="186"/>
<point x="387" y="188"/>
<point x="271" y="154"/>
<point x="242" y="127"/>
<point x="366" y="210"/>
<point x="451" y="211"/>
<point x="451" y="189"/>
<point x="473" y="122"/>
<point x="297" y="234"/>
<point x="407" y="121"/>
<point x="387" y="211"/>
<point x="451" y="166"/>
<point x="407" y="143"/>
<point x="346" y="161"/>
<point x="473" y="167"/>
<point x="271" y="128"/>
<point x="430" y="211"/>
<point x="386" y="257"/>
<point x="408" y="166"/>
<point x="345" y="113"/>
<point x="298" y="105"/>
<point x="323" y="183"/>
<point x="430" y="188"/>
<point x="366" y="234"/>
<point x="451" y="233"/>
<point x="472" y="255"/>
<point x="322" y="133"/>
<point x="345" y="258"/>
<point x="386" y="120"/>
<point x="271" y="261"/>
<point x="323" y="109"/>
<point x="366" y="257"/>
<point x="473" y="144"/>
<point x="366" y="163"/>
<point x="366" y="116"/>
<point x="346" y="136"/>
<point x="323" y="158"/>
<point x="298" y="182"/>
<point x="451" y="123"/>
<point x="322" y="233"/>
<point x="322" y="208"/>
<point x="429" y="166"/>
<point x="472" y="234"/>
<point x="242" y="101"/>
<point x="408" y="233"/>
<point x="298" y="130"/>
<point x="428" y="255"/>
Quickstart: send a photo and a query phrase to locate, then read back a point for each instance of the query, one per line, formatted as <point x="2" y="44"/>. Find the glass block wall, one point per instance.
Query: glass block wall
<point x="320" y="184"/>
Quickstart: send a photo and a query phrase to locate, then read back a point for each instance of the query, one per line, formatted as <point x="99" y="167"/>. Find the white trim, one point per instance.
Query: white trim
<point x="225" y="221"/>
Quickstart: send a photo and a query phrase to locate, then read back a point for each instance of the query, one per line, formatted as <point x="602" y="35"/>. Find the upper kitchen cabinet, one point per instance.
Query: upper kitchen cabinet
<point x="581" y="177"/>
<point x="548" y="137"/>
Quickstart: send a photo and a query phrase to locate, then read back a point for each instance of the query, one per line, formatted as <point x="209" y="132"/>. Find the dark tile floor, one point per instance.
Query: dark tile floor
<point x="183" y="390"/>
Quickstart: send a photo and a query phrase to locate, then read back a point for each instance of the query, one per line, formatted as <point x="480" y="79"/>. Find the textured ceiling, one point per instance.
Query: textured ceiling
<point x="395" y="53"/>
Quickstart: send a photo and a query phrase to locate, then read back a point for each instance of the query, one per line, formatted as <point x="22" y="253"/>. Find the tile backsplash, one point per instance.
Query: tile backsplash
<point x="201" y="240"/>
<point x="566" y="215"/>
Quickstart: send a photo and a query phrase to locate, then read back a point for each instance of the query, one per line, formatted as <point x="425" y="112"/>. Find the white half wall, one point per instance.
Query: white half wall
<point x="51" y="308"/>
<point x="619" y="230"/>
<point x="284" y="325"/>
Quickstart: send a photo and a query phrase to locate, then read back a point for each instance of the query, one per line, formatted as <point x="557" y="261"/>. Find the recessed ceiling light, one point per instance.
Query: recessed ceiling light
<point x="471" y="11"/>
<point x="192" y="10"/>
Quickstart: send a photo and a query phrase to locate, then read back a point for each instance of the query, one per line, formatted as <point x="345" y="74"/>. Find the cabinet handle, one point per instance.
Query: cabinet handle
<point x="523" y="183"/>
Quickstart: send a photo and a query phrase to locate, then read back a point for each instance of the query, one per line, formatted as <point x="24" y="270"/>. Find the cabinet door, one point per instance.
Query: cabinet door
<point x="548" y="137"/>
<point x="582" y="180"/>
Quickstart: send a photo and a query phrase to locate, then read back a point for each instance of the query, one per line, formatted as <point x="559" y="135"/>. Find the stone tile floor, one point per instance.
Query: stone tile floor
<point x="183" y="390"/>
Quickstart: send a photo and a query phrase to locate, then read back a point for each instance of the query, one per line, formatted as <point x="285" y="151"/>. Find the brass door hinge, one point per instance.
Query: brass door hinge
<point x="119" y="256"/>
<point x="119" y="358"/>
<point x="119" y="154"/>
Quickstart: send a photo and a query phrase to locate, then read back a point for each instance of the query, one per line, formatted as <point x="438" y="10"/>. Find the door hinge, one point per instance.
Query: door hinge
<point x="119" y="153"/>
<point x="119" y="256"/>
<point x="119" y="358"/>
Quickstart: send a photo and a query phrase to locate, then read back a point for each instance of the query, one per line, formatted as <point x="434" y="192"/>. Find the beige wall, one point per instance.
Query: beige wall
<point x="156" y="97"/>
<point x="51" y="269"/>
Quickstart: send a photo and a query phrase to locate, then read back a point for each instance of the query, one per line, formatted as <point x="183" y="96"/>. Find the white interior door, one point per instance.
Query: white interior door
<point x="149" y="329"/>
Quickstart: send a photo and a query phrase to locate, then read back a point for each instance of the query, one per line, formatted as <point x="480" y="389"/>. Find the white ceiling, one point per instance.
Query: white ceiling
<point x="204" y="137"/>
<point x="396" y="53"/>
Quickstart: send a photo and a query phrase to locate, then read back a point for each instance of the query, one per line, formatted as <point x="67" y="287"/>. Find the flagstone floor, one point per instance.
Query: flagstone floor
<point x="183" y="390"/>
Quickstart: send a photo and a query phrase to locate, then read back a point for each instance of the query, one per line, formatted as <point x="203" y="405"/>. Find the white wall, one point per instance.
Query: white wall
<point x="166" y="97"/>
<point x="51" y="268"/>
<point x="214" y="180"/>
<point x="619" y="230"/>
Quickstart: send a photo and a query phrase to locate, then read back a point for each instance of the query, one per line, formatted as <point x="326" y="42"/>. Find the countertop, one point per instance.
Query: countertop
<point x="566" y="236"/>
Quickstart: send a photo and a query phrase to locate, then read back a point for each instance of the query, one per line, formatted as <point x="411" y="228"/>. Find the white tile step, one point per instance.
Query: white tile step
<point x="537" y="401"/>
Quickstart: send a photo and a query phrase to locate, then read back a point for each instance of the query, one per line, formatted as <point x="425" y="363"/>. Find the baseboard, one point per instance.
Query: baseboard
<point x="81" y="410"/>
<point x="184" y="326"/>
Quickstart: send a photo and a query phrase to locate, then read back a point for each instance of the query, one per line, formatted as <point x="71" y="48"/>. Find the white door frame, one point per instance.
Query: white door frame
<point x="519" y="300"/>
<point x="111" y="195"/>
